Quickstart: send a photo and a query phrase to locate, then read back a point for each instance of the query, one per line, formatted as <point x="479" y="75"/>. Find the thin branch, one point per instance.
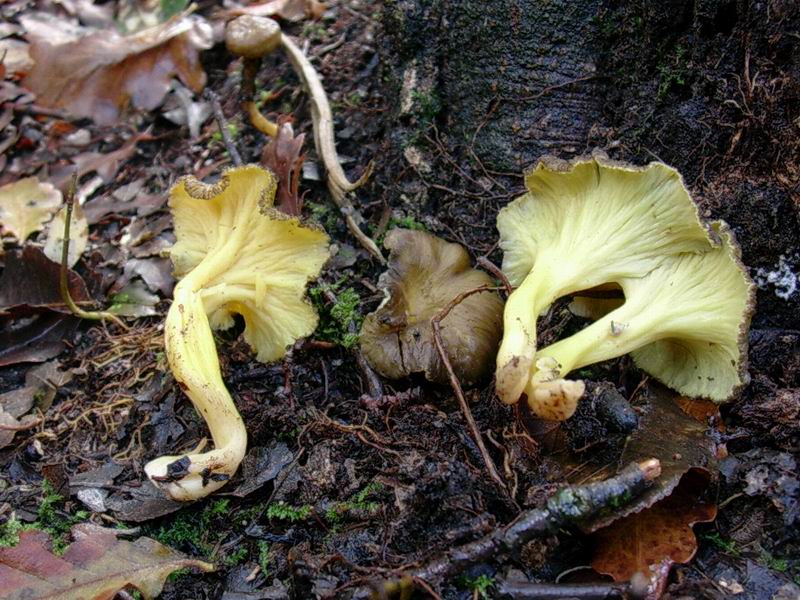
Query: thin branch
<point x="572" y="505"/>
<point x="222" y="123"/>
<point x="63" y="282"/>
<point x="456" y="385"/>
<point x="494" y="270"/>
<point x="555" y="591"/>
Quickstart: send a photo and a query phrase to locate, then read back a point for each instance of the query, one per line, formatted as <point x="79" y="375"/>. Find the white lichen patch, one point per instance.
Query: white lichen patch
<point x="417" y="160"/>
<point x="407" y="91"/>
<point x="784" y="278"/>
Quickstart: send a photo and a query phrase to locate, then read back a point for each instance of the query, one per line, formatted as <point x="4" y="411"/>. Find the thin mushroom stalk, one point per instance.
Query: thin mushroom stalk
<point x="252" y="37"/>
<point x="192" y="356"/>
<point x="515" y="357"/>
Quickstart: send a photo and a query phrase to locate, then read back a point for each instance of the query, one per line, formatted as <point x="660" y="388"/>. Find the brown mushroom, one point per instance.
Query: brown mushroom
<point x="425" y="275"/>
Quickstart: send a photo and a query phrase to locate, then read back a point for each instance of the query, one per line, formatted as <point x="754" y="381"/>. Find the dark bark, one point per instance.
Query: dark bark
<point x="513" y="78"/>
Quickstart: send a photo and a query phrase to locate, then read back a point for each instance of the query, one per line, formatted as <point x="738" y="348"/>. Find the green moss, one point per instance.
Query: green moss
<point x="426" y="105"/>
<point x="479" y="584"/>
<point x="284" y="512"/>
<point x="193" y="530"/>
<point x="727" y="546"/>
<point x="314" y="31"/>
<point x="340" y="321"/>
<point x="772" y="562"/>
<point x="322" y="214"/>
<point x="9" y="532"/>
<point x="178" y="575"/>
<point x="358" y="502"/>
<point x="407" y="222"/>
<point x="51" y="518"/>
<point x="264" y="557"/>
<point x="236" y="557"/>
<point x="673" y="74"/>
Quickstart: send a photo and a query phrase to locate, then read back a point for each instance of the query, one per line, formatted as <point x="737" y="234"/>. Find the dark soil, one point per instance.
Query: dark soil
<point x="368" y="486"/>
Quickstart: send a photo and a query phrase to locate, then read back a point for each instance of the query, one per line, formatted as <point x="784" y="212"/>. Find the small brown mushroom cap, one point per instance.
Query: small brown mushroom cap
<point x="425" y="275"/>
<point x="252" y="37"/>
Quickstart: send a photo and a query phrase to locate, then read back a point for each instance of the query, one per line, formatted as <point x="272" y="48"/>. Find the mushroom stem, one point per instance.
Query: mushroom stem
<point x="325" y="143"/>
<point x="257" y="120"/>
<point x="518" y="348"/>
<point x="192" y="356"/>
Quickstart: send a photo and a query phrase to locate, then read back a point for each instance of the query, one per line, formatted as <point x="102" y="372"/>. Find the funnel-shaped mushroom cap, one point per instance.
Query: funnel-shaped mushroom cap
<point x="685" y="323"/>
<point x="705" y="321"/>
<point x="259" y="260"/>
<point x="631" y="217"/>
<point x="425" y="274"/>
<point x="581" y="225"/>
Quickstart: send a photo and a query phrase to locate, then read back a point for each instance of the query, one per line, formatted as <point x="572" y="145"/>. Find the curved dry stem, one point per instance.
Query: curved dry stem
<point x="63" y="281"/>
<point x="324" y="140"/>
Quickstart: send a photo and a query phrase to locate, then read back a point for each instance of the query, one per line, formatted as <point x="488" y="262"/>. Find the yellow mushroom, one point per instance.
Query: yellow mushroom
<point x="235" y="254"/>
<point x="593" y="222"/>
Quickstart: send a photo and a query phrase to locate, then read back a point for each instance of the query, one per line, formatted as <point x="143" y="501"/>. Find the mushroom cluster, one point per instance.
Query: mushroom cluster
<point x="586" y="224"/>
<point x="235" y="254"/>
<point x="627" y="243"/>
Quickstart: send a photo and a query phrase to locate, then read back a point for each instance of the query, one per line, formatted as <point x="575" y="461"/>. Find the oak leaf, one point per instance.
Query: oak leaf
<point x="95" y="566"/>
<point x="78" y="236"/>
<point x="652" y="540"/>
<point x="97" y="73"/>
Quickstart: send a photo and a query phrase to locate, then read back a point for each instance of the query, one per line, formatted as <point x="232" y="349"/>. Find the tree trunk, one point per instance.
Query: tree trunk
<point x="482" y="89"/>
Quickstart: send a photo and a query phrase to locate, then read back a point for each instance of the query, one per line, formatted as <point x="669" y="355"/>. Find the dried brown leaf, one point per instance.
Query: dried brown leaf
<point x="105" y="164"/>
<point x="289" y="10"/>
<point x="282" y="155"/>
<point x="37" y="341"/>
<point x="26" y="205"/>
<point x="98" y="73"/>
<point x="15" y="56"/>
<point x="29" y="284"/>
<point x="95" y="566"/>
<point x="654" y="539"/>
<point x="679" y="441"/>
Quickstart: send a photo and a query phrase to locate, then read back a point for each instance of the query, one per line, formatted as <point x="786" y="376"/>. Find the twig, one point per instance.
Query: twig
<point x="551" y="88"/>
<point x="325" y="143"/>
<point x="572" y="505"/>
<point x="63" y="282"/>
<point x="556" y="591"/>
<point x="22" y="426"/>
<point x="456" y="385"/>
<point x="222" y="123"/>
<point x="494" y="270"/>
